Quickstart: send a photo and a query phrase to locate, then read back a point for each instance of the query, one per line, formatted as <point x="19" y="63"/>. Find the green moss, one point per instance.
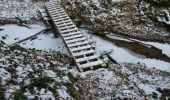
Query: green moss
<point x="19" y="20"/>
<point x="41" y="82"/>
<point x="70" y="76"/>
<point x="18" y="95"/>
<point x="165" y="93"/>
<point x="155" y="95"/>
<point x="2" y="42"/>
<point x="159" y="3"/>
<point x="71" y="90"/>
<point x="3" y="37"/>
<point x="60" y="73"/>
<point x="1" y="93"/>
<point x="17" y="47"/>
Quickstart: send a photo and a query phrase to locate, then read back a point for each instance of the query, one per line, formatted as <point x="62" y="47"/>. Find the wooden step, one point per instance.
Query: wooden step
<point x="76" y="40"/>
<point x="70" y="34"/>
<point x="87" y="58"/>
<point x="65" y="31"/>
<point x="81" y="48"/>
<point x="58" y="16"/>
<point x="63" y="22"/>
<point x="78" y="44"/>
<point x="74" y="36"/>
<point x="53" y="7"/>
<point x="66" y="24"/>
<point x="58" y="19"/>
<point x="91" y="64"/>
<point x="68" y="27"/>
<point x="83" y="52"/>
<point x="53" y="2"/>
<point x="57" y="13"/>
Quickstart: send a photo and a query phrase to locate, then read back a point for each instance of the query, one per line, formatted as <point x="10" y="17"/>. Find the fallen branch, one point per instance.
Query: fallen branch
<point x="42" y="31"/>
<point x="106" y="52"/>
<point x="24" y="25"/>
<point x="1" y="29"/>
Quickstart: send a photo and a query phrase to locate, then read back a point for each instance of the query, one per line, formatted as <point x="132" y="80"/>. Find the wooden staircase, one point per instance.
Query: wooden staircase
<point x="84" y="56"/>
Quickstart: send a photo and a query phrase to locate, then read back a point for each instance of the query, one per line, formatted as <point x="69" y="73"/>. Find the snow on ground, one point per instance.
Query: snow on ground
<point x="167" y="19"/>
<point x="121" y="55"/>
<point x="42" y="42"/>
<point x="47" y="42"/>
<point x="118" y="81"/>
<point x="24" y="9"/>
<point x="15" y="33"/>
<point x="117" y="37"/>
<point x="63" y="94"/>
<point x="118" y="0"/>
<point x="100" y="82"/>
<point x="4" y="76"/>
<point x="148" y="89"/>
<point x="122" y="82"/>
<point x="127" y="17"/>
<point x="20" y="68"/>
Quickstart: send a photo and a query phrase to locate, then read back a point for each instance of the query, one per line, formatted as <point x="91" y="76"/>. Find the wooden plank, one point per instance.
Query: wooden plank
<point x="52" y="1"/>
<point x="53" y="12"/>
<point x="74" y="36"/>
<point x="76" y="43"/>
<point x="64" y="26"/>
<point x="64" y="22"/>
<point x="65" y="31"/>
<point x="81" y="48"/>
<point x="83" y="52"/>
<point x="86" y="58"/>
<point x="55" y="19"/>
<point x="70" y="34"/>
<point x="57" y="12"/>
<point x="59" y="16"/>
<point x="53" y="7"/>
<point x="67" y="27"/>
<point x="91" y="64"/>
<point x="75" y="40"/>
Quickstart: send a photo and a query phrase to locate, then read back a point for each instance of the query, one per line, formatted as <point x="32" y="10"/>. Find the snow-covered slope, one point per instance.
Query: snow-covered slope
<point x="45" y="75"/>
<point x="136" y="18"/>
<point x="23" y="9"/>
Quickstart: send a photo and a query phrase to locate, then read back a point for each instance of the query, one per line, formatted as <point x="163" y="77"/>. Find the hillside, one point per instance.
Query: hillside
<point x="37" y="74"/>
<point x="133" y="37"/>
<point x="142" y="19"/>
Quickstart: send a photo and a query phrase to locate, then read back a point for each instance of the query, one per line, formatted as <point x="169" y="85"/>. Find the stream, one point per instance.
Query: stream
<point x="152" y="54"/>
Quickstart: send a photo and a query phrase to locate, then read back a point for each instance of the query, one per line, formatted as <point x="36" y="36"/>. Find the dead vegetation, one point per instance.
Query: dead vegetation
<point x="130" y="18"/>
